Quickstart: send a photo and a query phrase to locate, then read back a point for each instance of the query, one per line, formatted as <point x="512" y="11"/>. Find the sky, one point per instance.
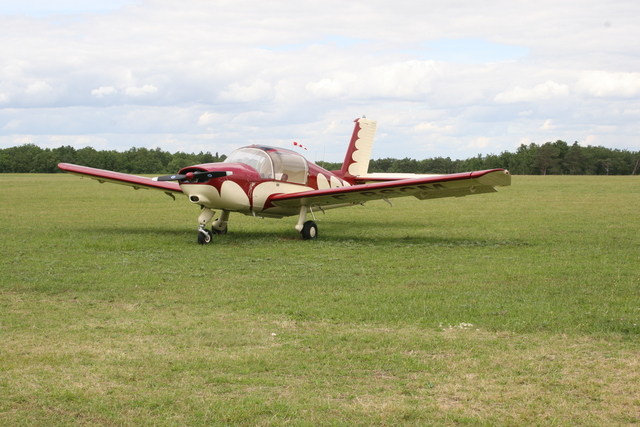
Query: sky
<point x="450" y="78"/>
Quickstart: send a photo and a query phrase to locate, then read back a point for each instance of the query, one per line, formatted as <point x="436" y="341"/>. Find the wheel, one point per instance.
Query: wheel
<point x="216" y="231"/>
<point x="204" y="236"/>
<point x="309" y="230"/>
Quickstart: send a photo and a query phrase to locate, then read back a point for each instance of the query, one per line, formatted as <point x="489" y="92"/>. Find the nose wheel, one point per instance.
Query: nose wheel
<point x="204" y="236"/>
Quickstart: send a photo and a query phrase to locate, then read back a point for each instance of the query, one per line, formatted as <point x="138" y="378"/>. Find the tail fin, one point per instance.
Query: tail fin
<point x="356" y="162"/>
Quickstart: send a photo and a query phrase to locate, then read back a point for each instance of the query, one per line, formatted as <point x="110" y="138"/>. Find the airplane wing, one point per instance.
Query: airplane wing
<point x="383" y="177"/>
<point x="137" y="182"/>
<point x="429" y="187"/>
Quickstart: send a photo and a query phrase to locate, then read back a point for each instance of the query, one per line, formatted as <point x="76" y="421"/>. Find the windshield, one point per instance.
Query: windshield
<point x="273" y="163"/>
<point x="255" y="158"/>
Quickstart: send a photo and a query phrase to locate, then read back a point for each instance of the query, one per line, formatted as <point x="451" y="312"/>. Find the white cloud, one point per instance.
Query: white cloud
<point x="590" y="140"/>
<point x="479" y="143"/>
<point x="408" y="80"/>
<point x="412" y="79"/>
<point x="432" y="127"/>
<point x="256" y="91"/>
<point x="13" y="140"/>
<point x="610" y="84"/>
<point x="41" y="8"/>
<point x="75" y="140"/>
<point x="542" y="91"/>
<point x="326" y="88"/>
<point x="208" y="118"/>
<point x="12" y="125"/>
<point x="103" y="91"/>
<point x="524" y="141"/>
<point x="547" y="125"/>
<point x="38" y="88"/>
<point x="140" y="91"/>
<point x="432" y="74"/>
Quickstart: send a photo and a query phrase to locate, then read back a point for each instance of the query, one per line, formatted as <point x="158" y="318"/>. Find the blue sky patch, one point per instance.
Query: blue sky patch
<point x="42" y="8"/>
<point x="471" y="51"/>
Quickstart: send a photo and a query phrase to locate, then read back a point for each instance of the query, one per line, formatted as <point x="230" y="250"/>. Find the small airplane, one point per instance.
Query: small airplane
<point x="271" y="182"/>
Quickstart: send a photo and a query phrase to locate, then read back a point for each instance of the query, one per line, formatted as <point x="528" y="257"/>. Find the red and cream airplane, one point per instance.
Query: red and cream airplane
<point x="274" y="183"/>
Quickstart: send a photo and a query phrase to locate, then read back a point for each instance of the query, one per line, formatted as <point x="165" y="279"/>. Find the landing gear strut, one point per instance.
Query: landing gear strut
<point x="219" y="226"/>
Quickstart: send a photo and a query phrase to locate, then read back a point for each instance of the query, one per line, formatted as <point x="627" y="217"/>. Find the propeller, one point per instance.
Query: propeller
<point x="190" y="176"/>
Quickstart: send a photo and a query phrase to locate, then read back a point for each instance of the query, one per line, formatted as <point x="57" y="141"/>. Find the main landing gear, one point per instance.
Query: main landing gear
<point x="308" y="229"/>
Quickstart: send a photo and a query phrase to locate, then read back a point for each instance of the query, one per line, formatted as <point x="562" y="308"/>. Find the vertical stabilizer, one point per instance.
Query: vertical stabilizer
<point x="356" y="162"/>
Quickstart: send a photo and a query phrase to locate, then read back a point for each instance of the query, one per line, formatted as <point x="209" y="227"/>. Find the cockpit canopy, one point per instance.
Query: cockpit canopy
<point x="273" y="163"/>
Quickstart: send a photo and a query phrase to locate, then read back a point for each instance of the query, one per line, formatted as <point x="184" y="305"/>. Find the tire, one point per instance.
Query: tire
<point x="204" y="236"/>
<point x="309" y="230"/>
<point x="216" y="231"/>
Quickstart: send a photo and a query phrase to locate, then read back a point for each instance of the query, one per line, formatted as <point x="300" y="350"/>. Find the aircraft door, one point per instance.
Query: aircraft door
<point x="289" y="167"/>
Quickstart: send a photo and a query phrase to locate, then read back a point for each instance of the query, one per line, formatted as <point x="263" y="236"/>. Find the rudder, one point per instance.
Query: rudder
<point x="356" y="162"/>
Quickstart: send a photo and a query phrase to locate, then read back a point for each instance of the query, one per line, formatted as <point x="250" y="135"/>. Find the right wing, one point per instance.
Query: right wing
<point x="137" y="182"/>
<point x="424" y="188"/>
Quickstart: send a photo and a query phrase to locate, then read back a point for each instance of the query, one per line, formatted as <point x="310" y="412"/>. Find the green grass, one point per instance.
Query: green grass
<point x="515" y="308"/>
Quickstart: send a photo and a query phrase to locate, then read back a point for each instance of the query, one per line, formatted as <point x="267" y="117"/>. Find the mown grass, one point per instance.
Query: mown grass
<point x="516" y="308"/>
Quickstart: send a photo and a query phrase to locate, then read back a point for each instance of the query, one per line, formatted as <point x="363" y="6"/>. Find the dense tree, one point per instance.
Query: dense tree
<point x="523" y="160"/>
<point x="549" y="158"/>
<point x="23" y="159"/>
<point x="380" y="165"/>
<point x="472" y="163"/>
<point x="405" y="165"/>
<point x="575" y="160"/>
<point x="30" y="158"/>
<point x="546" y="157"/>
<point x="332" y="166"/>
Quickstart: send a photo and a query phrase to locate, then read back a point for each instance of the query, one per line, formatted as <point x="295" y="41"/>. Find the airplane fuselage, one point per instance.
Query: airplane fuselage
<point x="260" y="173"/>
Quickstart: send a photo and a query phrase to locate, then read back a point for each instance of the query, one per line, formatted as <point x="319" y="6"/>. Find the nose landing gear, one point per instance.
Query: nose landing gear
<point x="219" y="226"/>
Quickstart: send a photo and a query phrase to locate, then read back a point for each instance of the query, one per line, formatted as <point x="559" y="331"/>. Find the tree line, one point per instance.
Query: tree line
<point x="30" y="158"/>
<point x="550" y="158"/>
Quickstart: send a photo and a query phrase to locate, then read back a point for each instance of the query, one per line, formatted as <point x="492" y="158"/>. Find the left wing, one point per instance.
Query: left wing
<point x="134" y="181"/>
<point x="430" y="187"/>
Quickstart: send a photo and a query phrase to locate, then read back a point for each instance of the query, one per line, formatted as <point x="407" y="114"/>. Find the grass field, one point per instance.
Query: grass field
<point x="515" y="308"/>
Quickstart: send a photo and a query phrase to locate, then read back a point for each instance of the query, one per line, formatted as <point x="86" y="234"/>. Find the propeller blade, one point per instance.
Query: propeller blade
<point x="176" y="177"/>
<point x="214" y="174"/>
<point x="193" y="175"/>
